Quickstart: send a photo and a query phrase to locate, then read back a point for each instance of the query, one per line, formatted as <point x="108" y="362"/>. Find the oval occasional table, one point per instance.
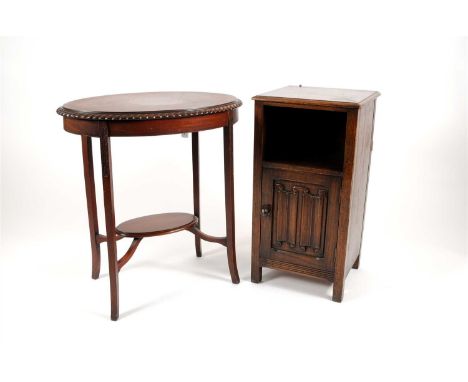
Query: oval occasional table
<point x="148" y="114"/>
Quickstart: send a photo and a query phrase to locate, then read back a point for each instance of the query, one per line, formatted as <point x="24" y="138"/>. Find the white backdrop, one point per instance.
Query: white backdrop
<point x="404" y="311"/>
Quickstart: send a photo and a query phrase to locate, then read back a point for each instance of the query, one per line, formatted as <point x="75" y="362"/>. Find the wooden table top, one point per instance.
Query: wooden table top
<point x="155" y="105"/>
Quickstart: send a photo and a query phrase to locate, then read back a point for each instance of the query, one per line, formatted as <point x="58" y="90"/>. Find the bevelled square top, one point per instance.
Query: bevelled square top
<point x="319" y="96"/>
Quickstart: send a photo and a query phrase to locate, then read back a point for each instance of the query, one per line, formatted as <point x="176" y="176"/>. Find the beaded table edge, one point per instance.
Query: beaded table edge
<point x="126" y="116"/>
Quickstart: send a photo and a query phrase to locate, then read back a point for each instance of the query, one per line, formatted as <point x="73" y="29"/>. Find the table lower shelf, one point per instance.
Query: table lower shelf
<point x="156" y="225"/>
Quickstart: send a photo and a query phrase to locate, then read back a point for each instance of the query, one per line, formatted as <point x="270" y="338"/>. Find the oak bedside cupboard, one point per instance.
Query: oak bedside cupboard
<point x="311" y="167"/>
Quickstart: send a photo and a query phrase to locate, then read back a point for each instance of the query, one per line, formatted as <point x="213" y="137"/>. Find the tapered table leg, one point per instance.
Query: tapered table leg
<point x="110" y="222"/>
<point x="229" y="200"/>
<point x="196" y="188"/>
<point x="87" y="150"/>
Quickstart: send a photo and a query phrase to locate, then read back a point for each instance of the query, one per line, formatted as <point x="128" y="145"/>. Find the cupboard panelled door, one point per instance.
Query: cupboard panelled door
<point x="299" y="217"/>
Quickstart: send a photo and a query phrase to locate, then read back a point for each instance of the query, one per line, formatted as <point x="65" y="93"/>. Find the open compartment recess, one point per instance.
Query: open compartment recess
<point x="304" y="137"/>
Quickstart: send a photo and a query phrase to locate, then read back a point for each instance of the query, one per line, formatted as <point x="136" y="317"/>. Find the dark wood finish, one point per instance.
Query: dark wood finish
<point x="295" y="268"/>
<point x="144" y="115"/>
<point x="295" y="167"/>
<point x="91" y="203"/>
<point x="306" y="95"/>
<point x="365" y="132"/>
<point x="129" y="254"/>
<point x="144" y="106"/>
<point x="214" y="239"/>
<point x="360" y="128"/>
<point x="338" y="285"/>
<point x="229" y="200"/>
<point x="156" y="225"/>
<point x="297" y="210"/>
<point x="137" y="128"/>
<point x="106" y="163"/>
<point x="356" y="263"/>
<point x="196" y="189"/>
<point x="256" y="271"/>
<point x="311" y="164"/>
<point x="103" y="238"/>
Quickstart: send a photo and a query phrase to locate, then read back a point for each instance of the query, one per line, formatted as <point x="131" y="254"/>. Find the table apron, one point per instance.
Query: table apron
<point x="133" y="128"/>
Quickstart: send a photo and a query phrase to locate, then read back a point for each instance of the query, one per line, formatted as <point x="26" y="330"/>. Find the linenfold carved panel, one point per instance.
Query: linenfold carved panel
<point x="299" y="218"/>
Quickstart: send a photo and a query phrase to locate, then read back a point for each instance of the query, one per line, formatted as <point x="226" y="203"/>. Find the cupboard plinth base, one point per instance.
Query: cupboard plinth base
<point x="298" y="269"/>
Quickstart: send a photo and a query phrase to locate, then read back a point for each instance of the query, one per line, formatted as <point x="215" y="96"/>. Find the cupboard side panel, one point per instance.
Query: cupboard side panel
<point x="345" y="204"/>
<point x="257" y="185"/>
<point x="365" y="127"/>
